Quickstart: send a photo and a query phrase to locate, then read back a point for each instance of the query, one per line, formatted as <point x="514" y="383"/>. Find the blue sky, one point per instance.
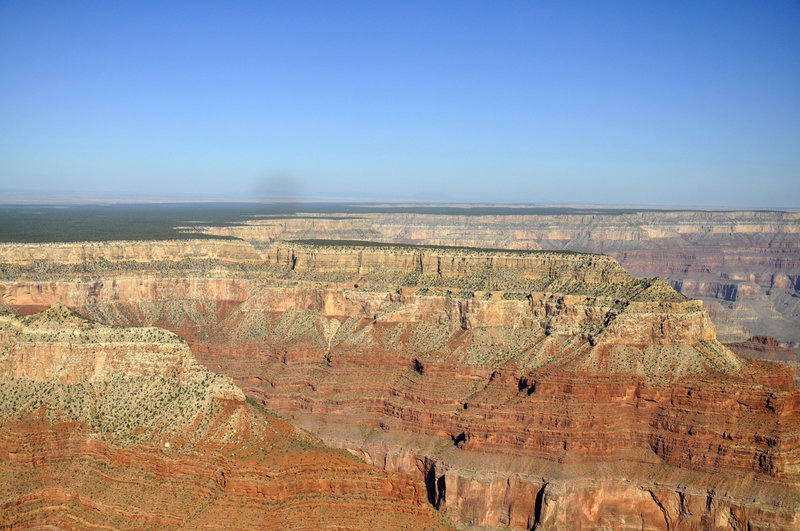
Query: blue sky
<point x="653" y="103"/>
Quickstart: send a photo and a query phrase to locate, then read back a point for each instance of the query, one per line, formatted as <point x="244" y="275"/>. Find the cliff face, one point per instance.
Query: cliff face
<point x="547" y="389"/>
<point x="769" y="349"/>
<point x="744" y="265"/>
<point x="121" y="427"/>
<point x="42" y="254"/>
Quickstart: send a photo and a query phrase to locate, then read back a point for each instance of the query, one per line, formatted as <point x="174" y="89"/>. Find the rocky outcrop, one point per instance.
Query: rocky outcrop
<point x="769" y="349"/>
<point x="43" y="254"/>
<point x="122" y="427"/>
<point x="540" y="389"/>
<point x="746" y="263"/>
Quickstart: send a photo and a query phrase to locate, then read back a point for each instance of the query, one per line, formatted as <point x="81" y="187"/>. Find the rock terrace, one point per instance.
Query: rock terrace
<point x="122" y="427"/>
<point x="520" y="387"/>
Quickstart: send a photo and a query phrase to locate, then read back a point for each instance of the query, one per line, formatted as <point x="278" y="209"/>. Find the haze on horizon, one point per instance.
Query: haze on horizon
<point x="521" y="102"/>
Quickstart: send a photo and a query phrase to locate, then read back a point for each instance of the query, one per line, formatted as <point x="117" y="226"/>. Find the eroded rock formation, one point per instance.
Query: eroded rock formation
<point x="744" y="265"/>
<point x="769" y="349"/>
<point x="122" y="428"/>
<point x="525" y="389"/>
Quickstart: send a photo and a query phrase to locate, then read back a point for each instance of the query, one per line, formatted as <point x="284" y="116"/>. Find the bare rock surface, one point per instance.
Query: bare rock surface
<point x="122" y="428"/>
<point x="769" y="349"/>
<point x="525" y="389"/>
<point x="745" y="265"/>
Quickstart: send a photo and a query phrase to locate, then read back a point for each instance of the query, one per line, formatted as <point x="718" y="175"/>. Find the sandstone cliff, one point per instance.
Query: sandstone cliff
<point x="769" y="349"/>
<point x="122" y="428"/>
<point x="745" y="265"/>
<point x="543" y="389"/>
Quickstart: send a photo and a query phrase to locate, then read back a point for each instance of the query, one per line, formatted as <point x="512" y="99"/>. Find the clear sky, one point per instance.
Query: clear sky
<point x="655" y="103"/>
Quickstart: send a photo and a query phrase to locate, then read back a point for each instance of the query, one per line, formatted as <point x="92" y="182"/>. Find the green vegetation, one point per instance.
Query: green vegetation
<point x="106" y="222"/>
<point x="158" y="221"/>
<point x="91" y="270"/>
<point x="390" y="245"/>
<point x="262" y="408"/>
<point x="70" y="223"/>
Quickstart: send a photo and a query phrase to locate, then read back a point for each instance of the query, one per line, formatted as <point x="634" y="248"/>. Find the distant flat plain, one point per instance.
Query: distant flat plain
<point x="158" y="221"/>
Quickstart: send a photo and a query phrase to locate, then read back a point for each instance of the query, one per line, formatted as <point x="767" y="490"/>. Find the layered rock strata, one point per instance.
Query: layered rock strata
<point x="524" y="388"/>
<point x="745" y="265"/>
<point x="118" y="427"/>
<point x="769" y="349"/>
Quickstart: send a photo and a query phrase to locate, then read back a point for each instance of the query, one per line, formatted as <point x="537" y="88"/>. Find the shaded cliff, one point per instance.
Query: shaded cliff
<point x="122" y="428"/>
<point x="521" y="387"/>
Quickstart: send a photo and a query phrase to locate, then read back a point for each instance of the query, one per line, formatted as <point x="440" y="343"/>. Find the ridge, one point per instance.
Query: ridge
<point x="137" y="432"/>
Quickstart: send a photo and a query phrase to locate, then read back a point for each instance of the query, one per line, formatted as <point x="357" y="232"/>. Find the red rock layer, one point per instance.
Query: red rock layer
<point x="159" y="449"/>
<point x="596" y="401"/>
<point x="769" y="349"/>
<point x="62" y="475"/>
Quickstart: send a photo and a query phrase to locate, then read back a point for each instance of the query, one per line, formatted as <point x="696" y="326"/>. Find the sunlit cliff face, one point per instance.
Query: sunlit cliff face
<point x="109" y="425"/>
<point x="517" y="386"/>
<point x="744" y="265"/>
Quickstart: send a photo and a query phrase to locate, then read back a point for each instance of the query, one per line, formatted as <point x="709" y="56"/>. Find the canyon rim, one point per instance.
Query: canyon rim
<point x="380" y="265"/>
<point x="543" y="389"/>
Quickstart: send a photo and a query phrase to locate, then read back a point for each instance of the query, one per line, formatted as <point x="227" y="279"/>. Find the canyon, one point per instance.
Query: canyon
<point x="118" y="428"/>
<point x="769" y="349"/>
<point x="744" y="265"/>
<point x="522" y="388"/>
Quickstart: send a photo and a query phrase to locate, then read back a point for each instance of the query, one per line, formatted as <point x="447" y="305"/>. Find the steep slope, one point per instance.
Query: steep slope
<point x="769" y="349"/>
<point x="745" y="265"/>
<point x="121" y="427"/>
<point x="526" y="389"/>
